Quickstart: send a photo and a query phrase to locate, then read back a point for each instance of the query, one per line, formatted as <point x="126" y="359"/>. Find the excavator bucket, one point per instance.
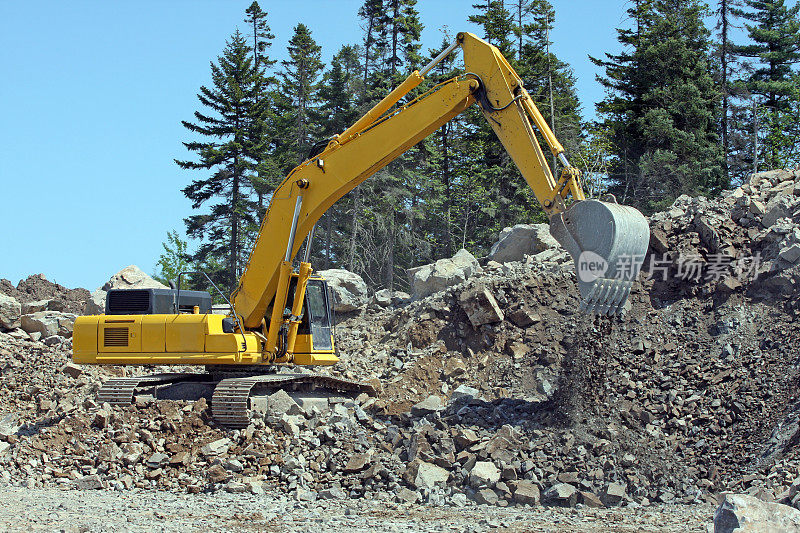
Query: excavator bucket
<point x="608" y="243"/>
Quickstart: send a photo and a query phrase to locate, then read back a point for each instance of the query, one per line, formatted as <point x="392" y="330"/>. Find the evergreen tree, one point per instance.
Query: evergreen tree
<point x="298" y="95"/>
<point x="662" y="108"/>
<point x="231" y="136"/>
<point x="403" y="29"/>
<point x="268" y="173"/>
<point x="497" y="25"/>
<point x="725" y="51"/>
<point x="775" y="49"/>
<point x="261" y="36"/>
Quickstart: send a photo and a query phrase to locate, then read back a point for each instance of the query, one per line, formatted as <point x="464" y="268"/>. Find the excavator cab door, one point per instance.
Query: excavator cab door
<point x="318" y="310"/>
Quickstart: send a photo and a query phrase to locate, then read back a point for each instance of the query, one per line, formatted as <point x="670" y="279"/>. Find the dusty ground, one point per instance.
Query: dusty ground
<point x="60" y="510"/>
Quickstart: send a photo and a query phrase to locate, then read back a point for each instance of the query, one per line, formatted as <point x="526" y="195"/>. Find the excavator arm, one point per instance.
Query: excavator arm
<point x="589" y="229"/>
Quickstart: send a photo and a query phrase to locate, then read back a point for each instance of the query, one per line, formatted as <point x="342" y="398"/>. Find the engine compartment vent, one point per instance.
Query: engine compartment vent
<point x="128" y="302"/>
<point x="116" y="337"/>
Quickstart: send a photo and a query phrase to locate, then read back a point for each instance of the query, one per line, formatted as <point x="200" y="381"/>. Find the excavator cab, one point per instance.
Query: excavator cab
<point x="315" y="331"/>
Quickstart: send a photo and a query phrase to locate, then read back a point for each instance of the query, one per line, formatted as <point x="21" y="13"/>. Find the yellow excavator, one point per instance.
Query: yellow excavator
<point x="280" y="315"/>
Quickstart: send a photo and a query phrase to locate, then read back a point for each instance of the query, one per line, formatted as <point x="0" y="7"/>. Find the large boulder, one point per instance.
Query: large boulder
<point x="349" y="289"/>
<point x="521" y="240"/>
<point x="130" y="277"/>
<point x="96" y="303"/>
<point x="10" y="311"/>
<point x="743" y="513"/>
<point x="48" y="323"/>
<point x="429" y="279"/>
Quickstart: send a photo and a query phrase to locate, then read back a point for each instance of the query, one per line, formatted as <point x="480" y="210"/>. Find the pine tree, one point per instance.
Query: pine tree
<point x="775" y="48"/>
<point x="725" y="52"/>
<point x="662" y="109"/>
<point x="496" y="22"/>
<point x="403" y="29"/>
<point x="261" y="36"/>
<point x="230" y="130"/>
<point x="298" y="95"/>
<point x="268" y="173"/>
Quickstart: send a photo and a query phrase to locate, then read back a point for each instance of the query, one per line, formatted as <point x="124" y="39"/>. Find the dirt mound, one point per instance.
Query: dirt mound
<point x="37" y="288"/>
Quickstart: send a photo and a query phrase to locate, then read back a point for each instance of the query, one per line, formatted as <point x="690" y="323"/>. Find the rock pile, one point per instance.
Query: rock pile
<point x="496" y="391"/>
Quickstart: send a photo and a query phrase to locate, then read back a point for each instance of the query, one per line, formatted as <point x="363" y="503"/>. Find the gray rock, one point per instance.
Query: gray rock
<point x="429" y="475"/>
<point x="484" y="473"/>
<point x="520" y="240"/>
<point x="562" y="494"/>
<point x="10" y="311"/>
<point x="790" y="254"/>
<point x="156" y="460"/>
<point x="233" y="465"/>
<point x="291" y="424"/>
<point x="53" y="340"/>
<point x="89" y="482"/>
<point x="429" y="279"/>
<point x="48" y="323"/>
<point x="526" y="493"/>
<point x="95" y="303"/>
<point x="131" y="277"/>
<point x="217" y="447"/>
<point x="464" y="391"/>
<point x="280" y="403"/>
<point x="743" y="513"/>
<point x="72" y="370"/>
<point x="480" y="306"/>
<point x="236" y="487"/>
<point x="486" y="497"/>
<point x="349" y="289"/>
<point x="405" y="495"/>
<point x="613" y="494"/>
<point x="305" y="495"/>
<point x="431" y="404"/>
<point x="383" y="298"/>
<point x="386" y="298"/>
<point x="333" y="493"/>
<point x="779" y="207"/>
<point x="9" y="425"/>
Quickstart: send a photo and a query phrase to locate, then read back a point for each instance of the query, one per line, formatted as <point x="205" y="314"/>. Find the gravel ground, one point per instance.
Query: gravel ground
<point x="66" y="510"/>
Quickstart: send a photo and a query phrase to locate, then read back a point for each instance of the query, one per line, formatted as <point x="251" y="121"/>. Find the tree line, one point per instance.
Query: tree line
<point x="687" y="111"/>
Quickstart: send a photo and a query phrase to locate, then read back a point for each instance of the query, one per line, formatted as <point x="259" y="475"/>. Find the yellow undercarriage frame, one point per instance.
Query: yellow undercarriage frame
<point x="186" y="339"/>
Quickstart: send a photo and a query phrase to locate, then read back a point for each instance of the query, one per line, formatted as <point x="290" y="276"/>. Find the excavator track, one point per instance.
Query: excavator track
<point x="230" y="402"/>
<point x="120" y="391"/>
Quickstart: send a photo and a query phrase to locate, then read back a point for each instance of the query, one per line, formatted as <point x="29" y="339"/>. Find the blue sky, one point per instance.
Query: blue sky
<point x="92" y="98"/>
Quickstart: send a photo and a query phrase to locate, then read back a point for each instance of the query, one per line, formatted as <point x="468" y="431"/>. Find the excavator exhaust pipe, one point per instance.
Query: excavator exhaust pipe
<point x="608" y="243"/>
